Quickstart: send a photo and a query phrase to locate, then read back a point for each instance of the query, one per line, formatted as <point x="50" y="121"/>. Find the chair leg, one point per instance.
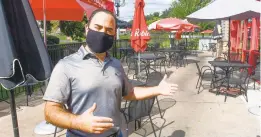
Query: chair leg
<point x="135" y="125"/>
<point x="27" y="100"/>
<point x="197" y="82"/>
<point x="165" y="67"/>
<point x="200" y="84"/>
<point x="160" y="66"/>
<point x="159" y="107"/>
<point x="152" y="126"/>
<point x="27" y="90"/>
<point x="225" y="97"/>
<point x="127" y="130"/>
<point x="246" y="93"/>
<point x="54" y="135"/>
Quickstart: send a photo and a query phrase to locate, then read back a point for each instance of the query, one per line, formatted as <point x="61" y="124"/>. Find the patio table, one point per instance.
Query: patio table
<point x="125" y="51"/>
<point x="172" y="53"/>
<point x="227" y="67"/>
<point x="147" y="59"/>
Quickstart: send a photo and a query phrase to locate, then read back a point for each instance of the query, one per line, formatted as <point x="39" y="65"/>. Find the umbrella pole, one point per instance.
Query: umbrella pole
<point x="139" y="64"/>
<point x="229" y="42"/>
<point x="44" y="25"/>
<point x="44" y="22"/>
<point x="13" y="113"/>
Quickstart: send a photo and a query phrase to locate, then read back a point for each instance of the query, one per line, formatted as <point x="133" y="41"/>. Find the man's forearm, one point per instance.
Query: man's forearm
<point x="58" y="116"/>
<point x="140" y="93"/>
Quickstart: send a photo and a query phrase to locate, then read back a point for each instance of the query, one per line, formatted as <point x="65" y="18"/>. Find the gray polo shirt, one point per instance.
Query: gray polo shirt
<point x="79" y="80"/>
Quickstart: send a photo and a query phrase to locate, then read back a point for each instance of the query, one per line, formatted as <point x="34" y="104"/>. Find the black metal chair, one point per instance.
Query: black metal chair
<point x="138" y="109"/>
<point x="204" y="73"/>
<point x="133" y="66"/>
<point x="256" y="75"/>
<point x="161" y="62"/>
<point x="204" y="46"/>
<point x="241" y="80"/>
<point x="29" y="89"/>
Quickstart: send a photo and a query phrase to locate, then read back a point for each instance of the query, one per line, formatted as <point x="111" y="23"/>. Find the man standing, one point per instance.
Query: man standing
<point x="92" y="83"/>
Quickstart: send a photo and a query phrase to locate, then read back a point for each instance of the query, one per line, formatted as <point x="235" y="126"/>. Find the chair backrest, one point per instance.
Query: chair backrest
<point x="139" y="108"/>
<point x="220" y="59"/>
<point x="243" y="75"/>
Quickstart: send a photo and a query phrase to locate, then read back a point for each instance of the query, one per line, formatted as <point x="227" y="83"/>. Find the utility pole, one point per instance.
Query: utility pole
<point x="118" y="4"/>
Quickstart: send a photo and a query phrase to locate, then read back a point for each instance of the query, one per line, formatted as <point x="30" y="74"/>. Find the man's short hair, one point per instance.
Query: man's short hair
<point x="104" y="11"/>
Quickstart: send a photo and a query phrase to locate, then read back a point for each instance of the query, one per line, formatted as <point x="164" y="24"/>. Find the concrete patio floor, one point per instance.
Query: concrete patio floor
<point x="186" y="114"/>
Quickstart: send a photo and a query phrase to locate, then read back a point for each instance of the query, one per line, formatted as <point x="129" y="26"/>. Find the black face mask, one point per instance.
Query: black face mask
<point x="99" y="42"/>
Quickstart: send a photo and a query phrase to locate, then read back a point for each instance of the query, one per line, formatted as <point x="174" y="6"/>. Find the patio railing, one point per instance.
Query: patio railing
<point x="59" y="51"/>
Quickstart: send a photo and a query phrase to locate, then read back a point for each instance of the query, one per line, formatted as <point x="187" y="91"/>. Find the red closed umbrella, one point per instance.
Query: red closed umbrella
<point x="233" y="34"/>
<point x="139" y="32"/>
<point x="254" y="43"/>
<point x="255" y="29"/>
<point x="245" y="38"/>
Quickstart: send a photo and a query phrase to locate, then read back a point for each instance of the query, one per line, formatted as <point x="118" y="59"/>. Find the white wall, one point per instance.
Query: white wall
<point x="205" y="41"/>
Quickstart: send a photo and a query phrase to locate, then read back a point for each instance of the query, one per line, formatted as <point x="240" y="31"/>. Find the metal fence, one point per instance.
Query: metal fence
<point x="59" y="51"/>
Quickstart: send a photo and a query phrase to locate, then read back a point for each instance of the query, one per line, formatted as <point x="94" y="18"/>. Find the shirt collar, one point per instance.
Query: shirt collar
<point x="86" y="53"/>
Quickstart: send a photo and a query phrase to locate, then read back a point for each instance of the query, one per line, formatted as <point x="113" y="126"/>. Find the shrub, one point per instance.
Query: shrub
<point x="52" y="40"/>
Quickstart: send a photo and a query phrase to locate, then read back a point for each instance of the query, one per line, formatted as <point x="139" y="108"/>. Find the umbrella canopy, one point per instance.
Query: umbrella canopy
<point x="89" y="7"/>
<point x="233" y="9"/>
<point x="23" y="55"/>
<point x="153" y="25"/>
<point x="71" y="10"/>
<point x="207" y="31"/>
<point x="139" y="32"/>
<point x="189" y="27"/>
<point x="172" y="24"/>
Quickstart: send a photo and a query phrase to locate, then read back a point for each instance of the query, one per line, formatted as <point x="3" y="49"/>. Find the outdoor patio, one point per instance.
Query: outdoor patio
<point x="186" y="114"/>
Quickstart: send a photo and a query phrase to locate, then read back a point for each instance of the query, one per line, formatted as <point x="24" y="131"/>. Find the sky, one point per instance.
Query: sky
<point x="151" y="6"/>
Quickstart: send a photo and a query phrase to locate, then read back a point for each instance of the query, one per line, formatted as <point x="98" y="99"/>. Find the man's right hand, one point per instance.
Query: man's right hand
<point x="89" y="123"/>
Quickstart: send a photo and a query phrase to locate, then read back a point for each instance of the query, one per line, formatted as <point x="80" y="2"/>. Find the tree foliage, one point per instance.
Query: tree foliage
<point x="182" y="8"/>
<point x="48" y="26"/>
<point x="74" y="29"/>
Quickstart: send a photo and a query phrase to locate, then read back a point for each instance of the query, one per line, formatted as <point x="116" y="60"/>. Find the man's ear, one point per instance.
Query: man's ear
<point x="86" y="29"/>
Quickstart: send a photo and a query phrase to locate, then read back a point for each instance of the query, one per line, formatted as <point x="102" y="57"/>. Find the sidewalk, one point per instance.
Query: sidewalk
<point x="187" y="114"/>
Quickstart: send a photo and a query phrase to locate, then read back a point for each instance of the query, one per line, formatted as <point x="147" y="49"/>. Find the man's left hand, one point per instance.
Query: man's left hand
<point x="167" y="89"/>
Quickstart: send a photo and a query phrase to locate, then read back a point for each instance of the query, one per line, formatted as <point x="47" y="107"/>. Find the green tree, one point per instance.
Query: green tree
<point x="165" y="13"/>
<point x="48" y="26"/>
<point x="151" y="20"/>
<point x="156" y="14"/>
<point x="76" y="30"/>
<point x="182" y="8"/>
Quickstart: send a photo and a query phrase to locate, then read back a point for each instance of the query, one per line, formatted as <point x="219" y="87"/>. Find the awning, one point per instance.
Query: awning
<point x="225" y="9"/>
